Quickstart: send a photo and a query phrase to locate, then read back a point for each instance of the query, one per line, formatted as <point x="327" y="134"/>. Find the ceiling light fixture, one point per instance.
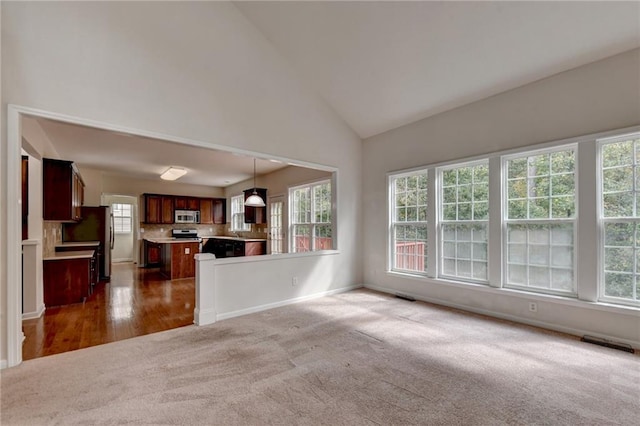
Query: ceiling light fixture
<point x="254" y="199"/>
<point x="173" y="173"/>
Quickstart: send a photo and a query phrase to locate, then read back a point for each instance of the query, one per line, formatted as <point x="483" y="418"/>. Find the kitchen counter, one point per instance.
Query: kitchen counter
<point x="225" y="237"/>
<point x="69" y="244"/>
<point x="171" y="240"/>
<point x="67" y="255"/>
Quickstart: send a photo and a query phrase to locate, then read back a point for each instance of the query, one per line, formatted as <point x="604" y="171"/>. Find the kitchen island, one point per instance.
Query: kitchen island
<point x="176" y="256"/>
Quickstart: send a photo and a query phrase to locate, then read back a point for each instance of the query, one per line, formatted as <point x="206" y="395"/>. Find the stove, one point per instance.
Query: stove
<point x="186" y="234"/>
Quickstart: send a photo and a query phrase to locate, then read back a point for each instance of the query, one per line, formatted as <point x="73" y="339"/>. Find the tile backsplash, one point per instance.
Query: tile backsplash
<point x="51" y="235"/>
<point x="164" y="231"/>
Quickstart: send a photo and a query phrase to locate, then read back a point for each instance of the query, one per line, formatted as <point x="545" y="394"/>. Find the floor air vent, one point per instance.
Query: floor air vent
<point x="607" y="343"/>
<point x="405" y="297"/>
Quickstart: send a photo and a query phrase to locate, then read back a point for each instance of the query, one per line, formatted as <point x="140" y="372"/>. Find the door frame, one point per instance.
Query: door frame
<point x="135" y="222"/>
<point x="12" y="307"/>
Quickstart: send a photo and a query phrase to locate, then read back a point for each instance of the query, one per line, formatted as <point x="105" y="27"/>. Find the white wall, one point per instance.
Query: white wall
<point x="601" y="96"/>
<point x="196" y="71"/>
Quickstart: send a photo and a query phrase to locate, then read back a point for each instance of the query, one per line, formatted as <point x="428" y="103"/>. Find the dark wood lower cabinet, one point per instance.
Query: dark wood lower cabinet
<point x="67" y="281"/>
<point x="225" y="247"/>
<point x="178" y="260"/>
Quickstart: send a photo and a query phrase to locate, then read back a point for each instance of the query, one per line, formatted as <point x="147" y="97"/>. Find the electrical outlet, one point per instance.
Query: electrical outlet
<point x="187" y="250"/>
<point x="210" y="229"/>
<point x="533" y="307"/>
<point x="294" y="281"/>
<point x="161" y="229"/>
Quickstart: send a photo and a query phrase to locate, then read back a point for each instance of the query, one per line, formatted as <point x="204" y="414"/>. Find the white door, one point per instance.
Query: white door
<point x="123" y="209"/>
<point x="276" y="225"/>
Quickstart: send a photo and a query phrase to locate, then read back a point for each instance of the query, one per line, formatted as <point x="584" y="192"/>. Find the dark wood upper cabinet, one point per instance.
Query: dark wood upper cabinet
<point x="220" y="211"/>
<point x="25" y="197"/>
<point x="213" y="210"/>
<point x="62" y="190"/>
<point x="158" y="208"/>
<point x="167" y="209"/>
<point x="255" y="214"/>
<point x="187" y="203"/>
<point x="206" y="211"/>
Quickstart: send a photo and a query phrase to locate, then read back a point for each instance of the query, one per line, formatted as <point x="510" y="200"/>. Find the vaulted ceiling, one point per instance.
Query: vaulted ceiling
<point x="381" y="65"/>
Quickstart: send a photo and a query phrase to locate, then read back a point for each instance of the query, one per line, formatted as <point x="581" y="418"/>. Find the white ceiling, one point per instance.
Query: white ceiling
<point x="381" y="65"/>
<point x="146" y="158"/>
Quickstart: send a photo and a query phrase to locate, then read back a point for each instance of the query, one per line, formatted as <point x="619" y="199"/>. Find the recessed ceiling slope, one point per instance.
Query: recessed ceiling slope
<point x="385" y="64"/>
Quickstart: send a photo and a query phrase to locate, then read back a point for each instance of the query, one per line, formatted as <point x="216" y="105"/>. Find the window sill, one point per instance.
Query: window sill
<point x="531" y="296"/>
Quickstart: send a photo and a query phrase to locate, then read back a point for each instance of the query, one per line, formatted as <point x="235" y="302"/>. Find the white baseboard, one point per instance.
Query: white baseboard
<point x="204" y="317"/>
<point x="34" y="315"/>
<point x="260" y="308"/>
<point x="3" y="364"/>
<point x="123" y="260"/>
<point x="514" y="318"/>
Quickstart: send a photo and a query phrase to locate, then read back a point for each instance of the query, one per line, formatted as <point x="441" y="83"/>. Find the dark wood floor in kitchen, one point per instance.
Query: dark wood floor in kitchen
<point x="135" y="302"/>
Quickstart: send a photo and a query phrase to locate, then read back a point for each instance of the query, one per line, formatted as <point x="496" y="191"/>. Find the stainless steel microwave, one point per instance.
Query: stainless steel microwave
<point x="187" y="216"/>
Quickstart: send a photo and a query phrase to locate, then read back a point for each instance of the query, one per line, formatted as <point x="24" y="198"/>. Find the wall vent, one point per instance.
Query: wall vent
<point x="607" y="343"/>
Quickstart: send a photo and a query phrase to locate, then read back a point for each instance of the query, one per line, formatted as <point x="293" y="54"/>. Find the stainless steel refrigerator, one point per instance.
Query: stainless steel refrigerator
<point x="96" y="225"/>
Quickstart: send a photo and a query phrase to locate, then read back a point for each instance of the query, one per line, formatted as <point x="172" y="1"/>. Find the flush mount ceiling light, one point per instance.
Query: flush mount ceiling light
<point x="254" y="199"/>
<point x="173" y="173"/>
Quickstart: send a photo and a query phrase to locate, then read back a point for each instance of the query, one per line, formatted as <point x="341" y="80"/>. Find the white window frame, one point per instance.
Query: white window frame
<point x="547" y="221"/>
<point x="116" y="216"/>
<point x="442" y="222"/>
<point x="237" y="214"/>
<point x="393" y="222"/>
<point x="602" y="221"/>
<point x="311" y="225"/>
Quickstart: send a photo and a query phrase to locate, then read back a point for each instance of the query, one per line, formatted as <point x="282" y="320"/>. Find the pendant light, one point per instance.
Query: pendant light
<point x="254" y="199"/>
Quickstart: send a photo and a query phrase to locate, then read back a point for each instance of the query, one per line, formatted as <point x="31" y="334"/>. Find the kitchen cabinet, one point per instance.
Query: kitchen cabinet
<point x="62" y="191"/>
<point x="234" y="247"/>
<point x="159" y="209"/>
<point x="67" y="277"/>
<point x="213" y="210"/>
<point x="187" y="203"/>
<point x="153" y="254"/>
<point x="255" y="214"/>
<point x="178" y="259"/>
<point x="96" y="247"/>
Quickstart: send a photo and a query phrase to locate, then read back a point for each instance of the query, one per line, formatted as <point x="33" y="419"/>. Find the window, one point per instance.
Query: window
<point x="237" y="214"/>
<point x="310" y="212"/>
<point x="409" y="222"/>
<point x="620" y="219"/>
<point x="464" y="217"/>
<point x="540" y="221"/>
<point x="122" y="218"/>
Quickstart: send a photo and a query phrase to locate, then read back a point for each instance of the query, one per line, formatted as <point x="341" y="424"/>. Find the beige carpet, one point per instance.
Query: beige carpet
<point x="355" y="358"/>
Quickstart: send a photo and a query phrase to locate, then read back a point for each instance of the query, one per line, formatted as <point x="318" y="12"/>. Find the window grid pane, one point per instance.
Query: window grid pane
<point x="540" y="256"/>
<point x="311" y="227"/>
<point x="540" y="219"/>
<point x="541" y="186"/>
<point x="620" y="216"/>
<point x="122" y="222"/>
<point x="237" y="214"/>
<point x="464" y="214"/>
<point x="409" y="227"/>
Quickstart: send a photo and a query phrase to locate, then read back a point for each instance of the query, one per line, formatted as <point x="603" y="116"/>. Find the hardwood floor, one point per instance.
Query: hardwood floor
<point x="135" y="302"/>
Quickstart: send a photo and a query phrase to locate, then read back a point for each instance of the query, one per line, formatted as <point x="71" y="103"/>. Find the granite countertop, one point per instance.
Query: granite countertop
<point x="67" y="255"/>
<point x="226" y="237"/>
<point x="170" y="240"/>
<point x="79" y="244"/>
